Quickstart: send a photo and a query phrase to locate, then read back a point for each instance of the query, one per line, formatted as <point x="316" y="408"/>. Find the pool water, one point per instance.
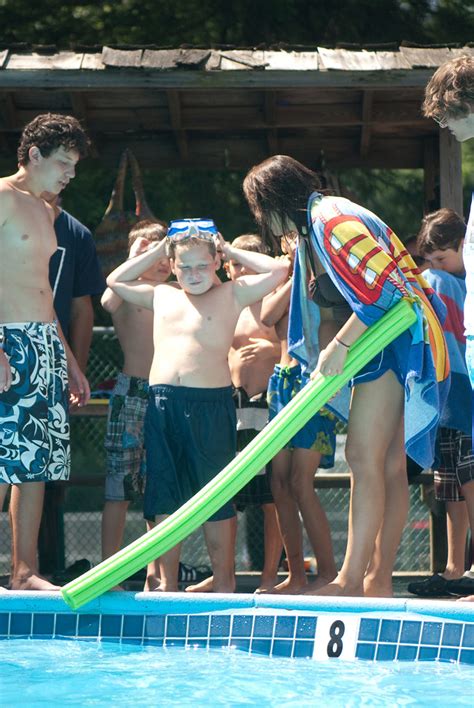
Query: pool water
<point x="82" y="673"/>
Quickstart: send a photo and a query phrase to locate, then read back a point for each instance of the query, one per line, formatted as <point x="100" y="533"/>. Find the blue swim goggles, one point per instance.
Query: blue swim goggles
<point x="182" y="229"/>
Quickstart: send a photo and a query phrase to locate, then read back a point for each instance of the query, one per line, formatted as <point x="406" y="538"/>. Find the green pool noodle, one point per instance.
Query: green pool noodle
<point x="242" y="468"/>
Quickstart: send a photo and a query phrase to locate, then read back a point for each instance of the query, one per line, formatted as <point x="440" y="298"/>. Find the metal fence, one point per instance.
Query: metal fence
<point x="84" y="497"/>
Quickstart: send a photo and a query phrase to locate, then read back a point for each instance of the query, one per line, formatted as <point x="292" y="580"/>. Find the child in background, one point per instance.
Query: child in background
<point x="190" y="431"/>
<point x="124" y="440"/>
<point x="254" y="352"/>
<point x="440" y="242"/>
<point x="294" y="467"/>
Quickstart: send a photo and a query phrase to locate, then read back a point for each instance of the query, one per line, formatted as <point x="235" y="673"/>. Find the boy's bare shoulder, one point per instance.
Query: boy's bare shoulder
<point x="8" y="199"/>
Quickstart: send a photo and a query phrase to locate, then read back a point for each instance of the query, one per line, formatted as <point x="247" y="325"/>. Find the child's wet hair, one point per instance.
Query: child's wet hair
<point x="148" y="228"/>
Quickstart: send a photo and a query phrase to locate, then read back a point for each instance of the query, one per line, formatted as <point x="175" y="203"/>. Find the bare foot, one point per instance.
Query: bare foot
<point x="266" y="585"/>
<point x="224" y="585"/>
<point x="372" y="588"/>
<point x="32" y="581"/>
<point x="210" y="585"/>
<point x="290" y="586"/>
<point x="337" y="588"/>
<point x="319" y="582"/>
<point x="117" y="588"/>
<point x="163" y="587"/>
<point x="152" y="583"/>
<point x="468" y="598"/>
<point x="206" y="585"/>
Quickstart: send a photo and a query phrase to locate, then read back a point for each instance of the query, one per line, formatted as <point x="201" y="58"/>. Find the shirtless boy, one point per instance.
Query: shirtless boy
<point x="190" y="426"/>
<point x="34" y="434"/>
<point x="124" y="440"/>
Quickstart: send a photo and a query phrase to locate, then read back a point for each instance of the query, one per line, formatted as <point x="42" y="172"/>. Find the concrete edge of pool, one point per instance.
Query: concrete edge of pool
<point x="131" y="603"/>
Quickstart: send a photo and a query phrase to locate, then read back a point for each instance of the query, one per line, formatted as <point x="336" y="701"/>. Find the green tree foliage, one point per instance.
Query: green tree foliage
<point x="240" y="22"/>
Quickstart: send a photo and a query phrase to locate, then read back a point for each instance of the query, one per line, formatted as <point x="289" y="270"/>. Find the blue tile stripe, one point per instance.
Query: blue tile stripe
<point x="386" y="630"/>
<point x="286" y="635"/>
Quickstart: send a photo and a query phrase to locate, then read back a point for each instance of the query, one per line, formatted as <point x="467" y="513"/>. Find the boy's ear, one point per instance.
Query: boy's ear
<point x="34" y="153"/>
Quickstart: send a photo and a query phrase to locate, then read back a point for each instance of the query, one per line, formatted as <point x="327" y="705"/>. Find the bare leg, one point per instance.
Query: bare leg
<point x="273" y="548"/>
<point x="113" y="524"/>
<point x="207" y="585"/>
<point x="304" y="464"/>
<point x="457" y="522"/>
<point x="26" y="506"/>
<point x="168" y="564"/>
<point x="378" y="579"/>
<point x="220" y="541"/>
<point x="376" y="411"/>
<point x="152" y="581"/>
<point x="289" y="522"/>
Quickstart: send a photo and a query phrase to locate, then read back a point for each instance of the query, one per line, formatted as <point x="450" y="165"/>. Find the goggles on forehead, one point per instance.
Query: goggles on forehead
<point x="182" y="229"/>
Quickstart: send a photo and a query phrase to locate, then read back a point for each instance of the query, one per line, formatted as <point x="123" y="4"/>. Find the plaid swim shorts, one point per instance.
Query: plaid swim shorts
<point x="124" y="440"/>
<point x="456" y="466"/>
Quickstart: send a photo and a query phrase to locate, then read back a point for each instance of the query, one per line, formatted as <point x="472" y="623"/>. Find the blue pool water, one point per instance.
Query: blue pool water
<point x="183" y="649"/>
<point x="82" y="673"/>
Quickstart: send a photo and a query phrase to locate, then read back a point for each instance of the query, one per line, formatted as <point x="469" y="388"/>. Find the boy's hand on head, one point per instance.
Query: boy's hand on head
<point x="222" y="246"/>
<point x="139" y="246"/>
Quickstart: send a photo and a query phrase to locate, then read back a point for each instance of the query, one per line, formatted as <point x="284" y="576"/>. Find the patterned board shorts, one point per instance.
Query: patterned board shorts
<point x="124" y="440"/>
<point x="34" y="412"/>
<point x="319" y="433"/>
<point x="456" y="466"/>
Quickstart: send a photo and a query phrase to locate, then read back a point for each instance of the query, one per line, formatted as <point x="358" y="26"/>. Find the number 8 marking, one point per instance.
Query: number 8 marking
<point x="336" y="633"/>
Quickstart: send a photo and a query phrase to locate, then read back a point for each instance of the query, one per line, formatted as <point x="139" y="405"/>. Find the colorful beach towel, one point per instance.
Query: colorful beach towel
<point x="452" y="291"/>
<point x="372" y="270"/>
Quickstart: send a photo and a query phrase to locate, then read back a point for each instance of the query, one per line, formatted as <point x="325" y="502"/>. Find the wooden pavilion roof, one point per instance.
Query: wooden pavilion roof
<point x="228" y="107"/>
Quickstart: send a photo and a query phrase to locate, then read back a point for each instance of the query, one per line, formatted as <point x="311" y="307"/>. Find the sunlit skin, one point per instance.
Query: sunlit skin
<point x="448" y="259"/>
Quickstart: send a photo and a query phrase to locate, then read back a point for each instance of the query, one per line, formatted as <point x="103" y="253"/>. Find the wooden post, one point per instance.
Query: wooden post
<point x="450" y="172"/>
<point x="430" y="175"/>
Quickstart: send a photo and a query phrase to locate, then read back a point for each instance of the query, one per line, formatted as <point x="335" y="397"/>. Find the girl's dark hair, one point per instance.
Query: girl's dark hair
<point x="279" y="186"/>
<point x="50" y="131"/>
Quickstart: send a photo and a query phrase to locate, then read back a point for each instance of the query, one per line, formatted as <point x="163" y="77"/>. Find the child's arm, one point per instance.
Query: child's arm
<point x="124" y="279"/>
<point x="110" y="301"/>
<point x="275" y="306"/>
<point x="251" y="288"/>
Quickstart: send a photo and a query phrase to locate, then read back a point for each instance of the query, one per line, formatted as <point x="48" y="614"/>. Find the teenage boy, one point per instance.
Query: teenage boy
<point x="35" y="360"/>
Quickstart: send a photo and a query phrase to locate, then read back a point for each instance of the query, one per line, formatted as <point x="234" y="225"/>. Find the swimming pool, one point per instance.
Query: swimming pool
<point x="144" y="645"/>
